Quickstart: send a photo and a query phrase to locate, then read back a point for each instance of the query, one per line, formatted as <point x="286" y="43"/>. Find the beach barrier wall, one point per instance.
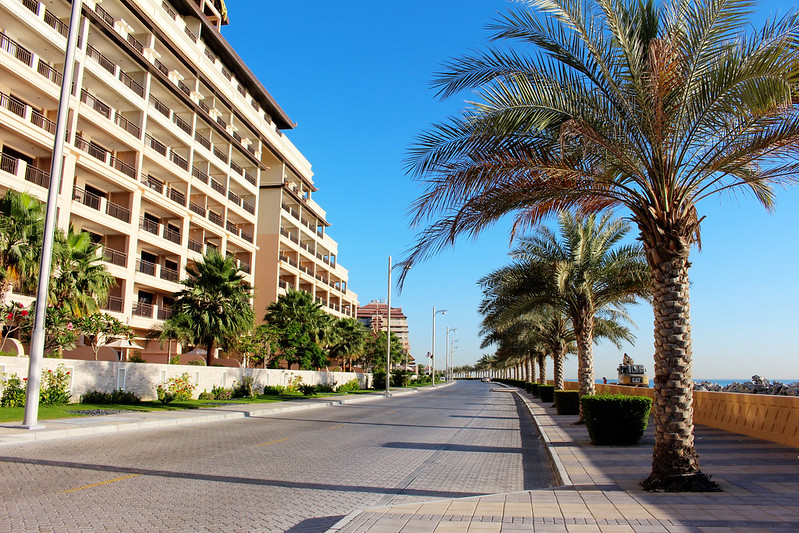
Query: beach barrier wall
<point x="771" y="418"/>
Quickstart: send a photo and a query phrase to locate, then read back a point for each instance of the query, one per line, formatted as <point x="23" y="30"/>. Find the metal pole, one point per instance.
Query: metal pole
<point x="56" y="169"/>
<point x="388" y="331"/>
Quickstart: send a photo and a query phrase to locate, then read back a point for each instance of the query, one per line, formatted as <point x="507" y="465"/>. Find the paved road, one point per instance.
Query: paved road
<point x="298" y="471"/>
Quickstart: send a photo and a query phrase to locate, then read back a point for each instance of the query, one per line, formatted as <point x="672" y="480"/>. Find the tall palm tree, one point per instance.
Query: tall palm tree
<point x="585" y="275"/>
<point x="81" y="281"/>
<point x="214" y="306"/>
<point x="648" y="108"/>
<point x="349" y="340"/>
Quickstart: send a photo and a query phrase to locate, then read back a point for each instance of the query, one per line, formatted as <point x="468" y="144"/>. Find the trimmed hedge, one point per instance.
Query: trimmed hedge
<point x="616" y="418"/>
<point x="546" y="393"/>
<point x="567" y="402"/>
<point x="532" y="388"/>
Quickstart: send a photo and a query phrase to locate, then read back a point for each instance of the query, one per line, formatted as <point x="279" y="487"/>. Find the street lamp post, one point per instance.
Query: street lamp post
<point x="433" y="351"/>
<point x="388" y="331"/>
<point x="446" y="352"/>
<point x="452" y="359"/>
<point x="31" y="420"/>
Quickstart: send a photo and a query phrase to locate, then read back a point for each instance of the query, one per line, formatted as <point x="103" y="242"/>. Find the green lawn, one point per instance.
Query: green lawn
<point x="49" y="412"/>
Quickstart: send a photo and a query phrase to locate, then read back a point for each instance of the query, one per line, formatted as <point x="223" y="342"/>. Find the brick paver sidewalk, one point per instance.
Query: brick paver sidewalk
<point x="600" y="492"/>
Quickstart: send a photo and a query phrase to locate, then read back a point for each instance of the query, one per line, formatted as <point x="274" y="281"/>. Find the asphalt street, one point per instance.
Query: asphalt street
<point x="296" y="471"/>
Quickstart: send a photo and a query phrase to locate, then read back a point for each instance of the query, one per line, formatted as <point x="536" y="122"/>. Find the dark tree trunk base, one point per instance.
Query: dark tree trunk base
<point x="697" y="482"/>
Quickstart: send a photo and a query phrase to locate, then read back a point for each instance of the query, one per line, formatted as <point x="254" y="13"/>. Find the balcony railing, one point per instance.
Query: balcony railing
<point x="248" y="207"/>
<point x="8" y="163"/>
<point x="12" y="104"/>
<point x="116" y="257"/>
<point x="104" y="16"/>
<point x="197" y="208"/>
<point x="143" y="309"/>
<point x="195" y="246"/>
<point x="49" y="72"/>
<point x="231" y="227"/>
<point x="200" y="175"/>
<point x="233" y="197"/>
<point x="155" y="144"/>
<point x="220" y="154"/>
<point x="177" y="196"/>
<point x="164" y="313"/>
<point x="172" y="235"/>
<point x="153" y="183"/>
<point x="90" y="100"/>
<point x="236" y="167"/>
<point x="215" y="218"/>
<point x="127" y="125"/>
<point x="37" y="176"/>
<point x="247" y="236"/>
<point x="103" y="61"/>
<point x="249" y="177"/>
<point x="86" y="198"/>
<point x="114" y="304"/>
<point x="135" y="43"/>
<point x="32" y="5"/>
<point x="145" y="267"/>
<point x="13" y="47"/>
<point x="202" y="140"/>
<point x="169" y="274"/>
<point x="55" y="23"/>
<point x="132" y="84"/>
<point x="182" y="124"/>
<point x="179" y="160"/>
<point x="149" y="225"/>
<point x="218" y="187"/>
<point x="43" y="122"/>
<point x="118" y="211"/>
<point x="159" y="106"/>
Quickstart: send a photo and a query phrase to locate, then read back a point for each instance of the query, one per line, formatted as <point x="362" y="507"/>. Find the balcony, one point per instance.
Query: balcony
<point x="195" y="246"/>
<point x="142" y="309"/>
<point x="115" y="257"/>
<point x="215" y="218"/>
<point x="218" y="187"/>
<point x="15" y="49"/>
<point x="96" y="202"/>
<point x="197" y="208"/>
<point x="169" y="274"/>
<point x="105" y="156"/>
<point x="145" y="267"/>
<point x="114" y="304"/>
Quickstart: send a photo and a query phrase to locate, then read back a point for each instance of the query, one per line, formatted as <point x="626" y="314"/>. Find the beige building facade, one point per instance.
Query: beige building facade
<point x="173" y="148"/>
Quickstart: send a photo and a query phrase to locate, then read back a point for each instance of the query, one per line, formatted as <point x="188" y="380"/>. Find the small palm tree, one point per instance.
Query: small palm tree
<point x="302" y="326"/>
<point x="214" y="306"/>
<point x="81" y="282"/>
<point x="21" y="230"/>
<point x="349" y="339"/>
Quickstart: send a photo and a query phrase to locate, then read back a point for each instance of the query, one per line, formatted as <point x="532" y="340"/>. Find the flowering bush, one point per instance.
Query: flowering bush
<point x="55" y="387"/>
<point x="178" y="388"/>
<point x="13" y="391"/>
<point x="217" y="393"/>
<point x="12" y="316"/>
<point x="244" y="389"/>
<point x="294" y="384"/>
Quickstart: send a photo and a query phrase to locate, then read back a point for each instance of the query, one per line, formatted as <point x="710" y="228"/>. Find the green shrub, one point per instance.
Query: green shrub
<point x="532" y="388"/>
<point x="616" y="418"/>
<point x="205" y="395"/>
<point x="307" y="389"/>
<point x="178" y="388"/>
<point x="326" y="387"/>
<point x="378" y="380"/>
<point x="274" y="390"/>
<point x="245" y="388"/>
<point x="400" y="378"/>
<point x="13" y="391"/>
<point x="196" y="362"/>
<point x="219" y="392"/>
<point x="136" y="358"/>
<point x="567" y="402"/>
<point x="55" y="387"/>
<point x="118" y="396"/>
<point x="351" y="385"/>
<point x="546" y="393"/>
<point x="174" y="360"/>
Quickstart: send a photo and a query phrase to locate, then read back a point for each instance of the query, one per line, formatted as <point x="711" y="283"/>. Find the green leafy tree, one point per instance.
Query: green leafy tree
<point x="213" y="308"/>
<point x="60" y="331"/>
<point x="101" y="328"/>
<point x="648" y="108"/>
<point x="374" y="352"/>
<point x="259" y="345"/>
<point x="302" y="327"/>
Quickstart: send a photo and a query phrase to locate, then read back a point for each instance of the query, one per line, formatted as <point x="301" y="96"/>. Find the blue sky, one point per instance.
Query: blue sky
<point x="355" y="77"/>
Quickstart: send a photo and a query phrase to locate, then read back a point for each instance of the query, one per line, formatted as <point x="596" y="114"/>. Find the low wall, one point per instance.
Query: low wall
<point x="142" y="378"/>
<point x="771" y="418"/>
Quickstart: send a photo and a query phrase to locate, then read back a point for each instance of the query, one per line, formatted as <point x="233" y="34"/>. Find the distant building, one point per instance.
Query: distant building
<point x="374" y="316"/>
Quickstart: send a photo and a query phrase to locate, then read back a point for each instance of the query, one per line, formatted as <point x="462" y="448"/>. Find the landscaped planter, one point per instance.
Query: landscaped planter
<point x="546" y="393"/>
<point x="615" y="418"/>
<point x="567" y="402"/>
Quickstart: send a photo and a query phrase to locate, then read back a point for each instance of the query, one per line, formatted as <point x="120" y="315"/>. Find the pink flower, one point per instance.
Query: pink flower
<point x="70" y="327"/>
<point x="24" y="313"/>
<point x="11" y="317"/>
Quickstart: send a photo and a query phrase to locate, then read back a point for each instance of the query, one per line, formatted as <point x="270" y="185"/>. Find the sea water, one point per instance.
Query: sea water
<point x="722" y="382"/>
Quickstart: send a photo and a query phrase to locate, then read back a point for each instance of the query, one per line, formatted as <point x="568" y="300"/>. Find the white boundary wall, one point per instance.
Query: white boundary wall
<point x="142" y="378"/>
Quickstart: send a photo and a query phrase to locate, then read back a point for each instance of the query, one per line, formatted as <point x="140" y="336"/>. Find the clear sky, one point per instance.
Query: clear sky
<point x="355" y="78"/>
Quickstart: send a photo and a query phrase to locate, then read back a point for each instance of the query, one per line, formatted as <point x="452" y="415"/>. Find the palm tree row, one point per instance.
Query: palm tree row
<point x="649" y="108"/>
<point x="562" y="293"/>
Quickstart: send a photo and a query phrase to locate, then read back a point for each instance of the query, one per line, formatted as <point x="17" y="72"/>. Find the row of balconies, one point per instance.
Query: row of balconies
<point x="328" y="259"/>
<point x="337" y="285"/>
<point x="245" y="143"/>
<point x="343" y="308"/>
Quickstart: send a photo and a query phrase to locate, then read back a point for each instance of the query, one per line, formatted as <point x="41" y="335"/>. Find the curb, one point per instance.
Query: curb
<point x="561" y="476"/>
<point x="192" y="416"/>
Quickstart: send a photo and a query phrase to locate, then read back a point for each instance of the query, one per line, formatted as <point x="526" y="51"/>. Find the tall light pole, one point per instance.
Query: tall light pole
<point x="388" y="331"/>
<point x="31" y="420"/>
<point x="446" y="352"/>
<point x="452" y="359"/>
<point x="433" y="352"/>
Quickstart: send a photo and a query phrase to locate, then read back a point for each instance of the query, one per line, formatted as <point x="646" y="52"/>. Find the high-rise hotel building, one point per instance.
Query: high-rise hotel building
<point x="173" y="148"/>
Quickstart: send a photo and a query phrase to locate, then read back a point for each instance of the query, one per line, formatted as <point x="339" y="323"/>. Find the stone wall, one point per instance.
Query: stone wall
<point x="771" y="418"/>
<point x="142" y="378"/>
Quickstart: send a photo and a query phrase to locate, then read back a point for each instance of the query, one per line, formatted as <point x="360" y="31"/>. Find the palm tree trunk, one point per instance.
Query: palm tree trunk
<point x="531" y="366"/>
<point x="675" y="463"/>
<point x="584" y="331"/>
<point x="558" y="370"/>
<point x="542" y="368"/>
